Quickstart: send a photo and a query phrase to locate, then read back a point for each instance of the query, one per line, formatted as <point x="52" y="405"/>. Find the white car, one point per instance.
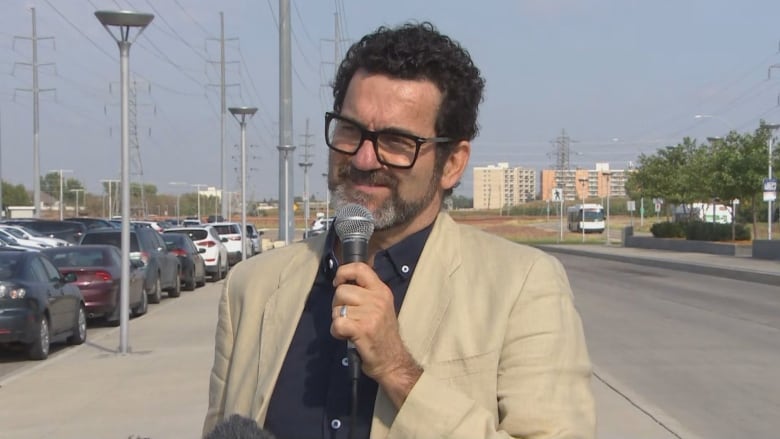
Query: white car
<point x="10" y="239"/>
<point x="23" y="233"/>
<point x="232" y="231"/>
<point x="215" y="256"/>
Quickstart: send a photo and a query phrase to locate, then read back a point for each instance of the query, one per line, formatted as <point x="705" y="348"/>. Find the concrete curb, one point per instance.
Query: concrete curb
<point x="743" y="274"/>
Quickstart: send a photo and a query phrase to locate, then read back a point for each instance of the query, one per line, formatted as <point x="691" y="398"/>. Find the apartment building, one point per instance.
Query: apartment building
<point x="577" y="184"/>
<point x="498" y="186"/>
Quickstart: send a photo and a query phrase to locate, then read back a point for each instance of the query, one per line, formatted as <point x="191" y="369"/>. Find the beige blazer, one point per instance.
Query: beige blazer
<point x="491" y="322"/>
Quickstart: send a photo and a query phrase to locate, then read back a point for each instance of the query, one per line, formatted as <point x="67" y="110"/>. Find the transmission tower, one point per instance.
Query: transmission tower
<point x="36" y="125"/>
<point x="306" y="164"/>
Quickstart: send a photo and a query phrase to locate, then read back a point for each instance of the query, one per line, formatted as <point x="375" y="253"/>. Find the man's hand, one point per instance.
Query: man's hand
<point x="371" y="324"/>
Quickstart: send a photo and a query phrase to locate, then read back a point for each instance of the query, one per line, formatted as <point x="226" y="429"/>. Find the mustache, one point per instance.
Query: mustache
<point x="370" y="178"/>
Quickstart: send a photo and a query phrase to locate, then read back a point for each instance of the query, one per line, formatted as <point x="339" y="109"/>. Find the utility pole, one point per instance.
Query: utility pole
<point x="134" y="146"/>
<point x="2" y="209"/>
<point x="77" y="199"/>
<point x="222" y="114"/>
<point x="562" y="153"/>
<point x="285" y="146"/>
<point x="306" y="164"/>
<point x="36" y="125"/>
<point x="110" y="196"/>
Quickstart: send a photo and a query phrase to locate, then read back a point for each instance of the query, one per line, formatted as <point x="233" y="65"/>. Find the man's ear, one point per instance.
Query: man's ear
<point x="456" y="164"/>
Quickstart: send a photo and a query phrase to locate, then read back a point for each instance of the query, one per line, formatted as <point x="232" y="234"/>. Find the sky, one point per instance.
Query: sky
<point x="619" y="77"/>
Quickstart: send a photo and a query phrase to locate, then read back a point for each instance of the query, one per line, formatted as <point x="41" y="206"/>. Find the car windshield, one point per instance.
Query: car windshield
<point x="77" y="257"/>
<point x="16" y="233"/>
<point x="112" y="238"/>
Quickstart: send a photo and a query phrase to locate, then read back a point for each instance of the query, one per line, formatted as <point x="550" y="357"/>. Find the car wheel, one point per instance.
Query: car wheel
<point x="189" y="282"/>
<point x="176" y="290"/>
<point x="155" y="295"/>
<point x="142" y="307"/>
<point x="39" y="348"/>
<point x="79" y="332"/>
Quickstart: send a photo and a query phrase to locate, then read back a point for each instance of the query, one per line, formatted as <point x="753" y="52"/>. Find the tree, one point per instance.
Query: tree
<point x="15" y="195"/>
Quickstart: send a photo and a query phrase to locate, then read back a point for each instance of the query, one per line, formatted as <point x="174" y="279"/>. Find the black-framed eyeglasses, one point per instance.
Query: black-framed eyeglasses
<point x="393" y="148"/>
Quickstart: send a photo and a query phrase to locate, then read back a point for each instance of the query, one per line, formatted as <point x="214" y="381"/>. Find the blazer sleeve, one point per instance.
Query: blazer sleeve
<point x="542" y="380"/>
<point x="223" y="351"/>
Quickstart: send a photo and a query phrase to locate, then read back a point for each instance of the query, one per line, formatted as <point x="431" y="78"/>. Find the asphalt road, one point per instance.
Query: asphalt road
<point x="700" y="350"/>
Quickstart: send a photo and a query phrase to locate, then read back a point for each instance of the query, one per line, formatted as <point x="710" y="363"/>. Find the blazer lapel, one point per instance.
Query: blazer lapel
<point x="424" y="305"/>
<point x="281" y="311"/>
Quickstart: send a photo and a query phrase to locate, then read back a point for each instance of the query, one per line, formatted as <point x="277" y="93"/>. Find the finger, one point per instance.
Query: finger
<point x="358" y="273"/>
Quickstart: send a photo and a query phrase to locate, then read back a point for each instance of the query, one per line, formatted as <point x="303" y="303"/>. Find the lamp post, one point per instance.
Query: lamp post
<point x="77" y="199"/>
<point x="61" y="171"/>
<point x="584" y="182"/>
<point x="241" y="114"/>
<point x="197" y="187"/>
<point x="772" y="128"/>
<point x="124" y="21"/>
<point x="607" y="174"/>
<point x="178" y="195"/>
<point x="713" y="140"/>
<point x="712" y="116"/>
<point x="327" y="201"/>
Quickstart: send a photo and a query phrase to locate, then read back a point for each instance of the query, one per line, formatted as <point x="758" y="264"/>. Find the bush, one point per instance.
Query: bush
<point x="668" y="230"/>
<point x="699" y="231"/>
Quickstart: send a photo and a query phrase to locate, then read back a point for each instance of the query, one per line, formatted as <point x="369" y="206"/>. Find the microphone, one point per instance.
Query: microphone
<point x="354" y="225"/>
<point x="238" y="427"/>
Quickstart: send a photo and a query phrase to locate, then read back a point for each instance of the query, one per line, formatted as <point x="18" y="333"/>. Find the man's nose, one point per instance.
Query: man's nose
<point x="365" y="157"/>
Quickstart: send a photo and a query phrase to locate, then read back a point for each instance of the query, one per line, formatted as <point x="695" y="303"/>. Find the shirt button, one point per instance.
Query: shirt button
<point x="345" y="362"/>
<point x="405" y="269"/>
<point x="335" y="424"/>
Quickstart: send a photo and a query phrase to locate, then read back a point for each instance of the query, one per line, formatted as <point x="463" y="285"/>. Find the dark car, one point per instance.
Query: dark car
<point x="193" y="267"/>
<point x="98" y="270"/>
<point x="93" y="223"/>
<point x="38" y="304"/>
<point x="70" y="231"/>
<point x="162" y="268"/>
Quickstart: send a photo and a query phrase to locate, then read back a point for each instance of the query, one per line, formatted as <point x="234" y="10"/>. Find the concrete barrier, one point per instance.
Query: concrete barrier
<point x="685" y="245"/>
<point x="765" y="249"/>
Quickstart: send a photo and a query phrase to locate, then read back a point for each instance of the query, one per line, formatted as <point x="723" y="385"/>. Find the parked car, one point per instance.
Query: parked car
<point x="98" y="271"/>
<point x="254" y="238"/>
<point x="191" y="263"/>
<point x="70" y="231"/>
<point x="154" y="225"/>
<point x="8" y="237"/>
<point x="21" y="232"/>
<point x="190" y="222"/>
<point x="232" y="231"/>
<point x="162" y="268"/>
<point x="215" y="256"/>
<point x="94" y="223"/>
<point x="38" y="304"/>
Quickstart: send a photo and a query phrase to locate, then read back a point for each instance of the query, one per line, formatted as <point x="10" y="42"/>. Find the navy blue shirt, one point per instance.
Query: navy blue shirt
<point x="312" y="397"/>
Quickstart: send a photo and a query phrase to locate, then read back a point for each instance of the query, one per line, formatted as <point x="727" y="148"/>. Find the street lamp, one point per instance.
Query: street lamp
<point x="713" y="140"/>
<point x="712" y="116"/>
<point x="327" y="201"/>
<point x="241" y="114"/>
<point x="178" y="194"/>
<point x="77" y="199"/>
<point x="771" y="128"/>
<point x="197" y="187"/>
<point x="609" y="191"/>
<point x="584" y="182"/>
<point x="61" y="171"/>
<point x="124" y="21"/>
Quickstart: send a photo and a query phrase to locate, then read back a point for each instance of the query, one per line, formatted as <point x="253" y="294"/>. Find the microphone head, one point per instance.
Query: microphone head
<point x="353" y="221"/>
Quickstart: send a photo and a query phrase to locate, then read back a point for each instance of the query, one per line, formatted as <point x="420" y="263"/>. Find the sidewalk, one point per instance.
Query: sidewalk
<point x="733" y="267"/>
<point x="159" y="391"/>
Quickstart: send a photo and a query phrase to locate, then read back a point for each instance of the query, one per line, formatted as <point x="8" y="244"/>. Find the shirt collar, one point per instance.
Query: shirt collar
<point x="402" y="256"/>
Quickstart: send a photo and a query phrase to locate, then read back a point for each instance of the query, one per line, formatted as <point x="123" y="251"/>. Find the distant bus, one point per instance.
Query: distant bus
<point x="593" y="220"/>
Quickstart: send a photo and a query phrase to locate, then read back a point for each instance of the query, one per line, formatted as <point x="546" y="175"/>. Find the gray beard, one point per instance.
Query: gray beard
<point x="395" y="211"/>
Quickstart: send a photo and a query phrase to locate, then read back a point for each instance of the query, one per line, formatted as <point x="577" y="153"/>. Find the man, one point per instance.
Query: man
<point x="461" y="334"/>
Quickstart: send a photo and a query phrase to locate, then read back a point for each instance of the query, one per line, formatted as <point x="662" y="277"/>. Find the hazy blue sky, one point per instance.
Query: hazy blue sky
<point x="622" y="77"/>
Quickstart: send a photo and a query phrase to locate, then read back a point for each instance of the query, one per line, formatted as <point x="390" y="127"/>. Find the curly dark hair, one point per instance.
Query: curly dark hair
<point x="419" y="51"/>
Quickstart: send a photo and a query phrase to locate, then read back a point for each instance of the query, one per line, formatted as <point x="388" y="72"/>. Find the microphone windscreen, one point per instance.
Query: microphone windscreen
<point x="354" y="221"/>
<point x="238" y="427"/>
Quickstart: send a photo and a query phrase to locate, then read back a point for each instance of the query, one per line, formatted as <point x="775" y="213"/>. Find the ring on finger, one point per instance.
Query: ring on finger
<point x="343" y="311"/>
